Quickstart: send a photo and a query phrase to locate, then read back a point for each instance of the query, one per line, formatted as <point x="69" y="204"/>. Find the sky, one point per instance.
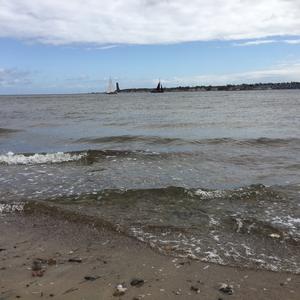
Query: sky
<point x="74" y="46"/>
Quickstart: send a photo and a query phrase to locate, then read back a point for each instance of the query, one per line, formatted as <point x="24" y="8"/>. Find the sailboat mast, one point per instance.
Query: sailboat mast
<point x="110" y="87"/>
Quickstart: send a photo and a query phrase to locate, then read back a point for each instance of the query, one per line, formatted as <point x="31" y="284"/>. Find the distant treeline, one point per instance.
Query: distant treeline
<point x="228" y="87"/>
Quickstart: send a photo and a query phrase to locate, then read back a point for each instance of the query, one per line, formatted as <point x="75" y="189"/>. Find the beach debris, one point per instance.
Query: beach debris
<point x="226" y="288"/>
<point x="76" y="260"/>
<point x="120" y="290"/>
<point x="195" y="288"/>
<point x="137" y="282"/>
<point x="37" y="268"/>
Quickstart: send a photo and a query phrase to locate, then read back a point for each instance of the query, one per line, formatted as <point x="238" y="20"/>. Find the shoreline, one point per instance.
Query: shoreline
<point x="81" y="261"/>
<point x="199" y="88"/>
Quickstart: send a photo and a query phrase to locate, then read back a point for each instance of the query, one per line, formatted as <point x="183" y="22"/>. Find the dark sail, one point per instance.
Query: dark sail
<point x="117" y="87"/>
<point x="159" y="88"/>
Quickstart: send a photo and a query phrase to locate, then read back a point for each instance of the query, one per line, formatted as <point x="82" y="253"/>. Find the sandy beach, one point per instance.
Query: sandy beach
<point x="79" y="261"/>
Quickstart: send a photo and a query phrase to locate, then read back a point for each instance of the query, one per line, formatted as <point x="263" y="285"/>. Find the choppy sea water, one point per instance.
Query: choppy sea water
<point x="209" y="175"/>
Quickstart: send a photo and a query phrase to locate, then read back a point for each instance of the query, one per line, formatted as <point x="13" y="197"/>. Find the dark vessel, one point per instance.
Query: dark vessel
<point x="117" y="87"/>
<point x="159" y="88"/>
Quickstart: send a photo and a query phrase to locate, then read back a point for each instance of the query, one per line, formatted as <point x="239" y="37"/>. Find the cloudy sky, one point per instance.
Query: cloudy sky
<point x="54" y="46"/>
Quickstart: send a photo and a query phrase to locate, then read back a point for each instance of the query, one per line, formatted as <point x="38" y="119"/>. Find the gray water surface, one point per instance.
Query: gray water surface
<point x="213" y="175"/>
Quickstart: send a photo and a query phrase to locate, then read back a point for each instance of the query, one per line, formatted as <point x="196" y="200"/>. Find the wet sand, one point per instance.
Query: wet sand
<point x="101" y="259"/>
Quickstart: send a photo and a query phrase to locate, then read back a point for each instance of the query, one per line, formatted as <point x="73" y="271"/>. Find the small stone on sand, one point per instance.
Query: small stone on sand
<point x="137" y="282"/>
<point x="226" y="289"/>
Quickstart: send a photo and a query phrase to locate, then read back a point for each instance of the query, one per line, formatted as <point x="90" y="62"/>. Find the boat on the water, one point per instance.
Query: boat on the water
<point x="159" y="88"/>
<point x="110" y="88"/>
<point x="117" y="87"/>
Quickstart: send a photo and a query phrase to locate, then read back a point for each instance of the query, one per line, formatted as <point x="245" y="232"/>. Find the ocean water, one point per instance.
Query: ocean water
<point x="213" y="176"/>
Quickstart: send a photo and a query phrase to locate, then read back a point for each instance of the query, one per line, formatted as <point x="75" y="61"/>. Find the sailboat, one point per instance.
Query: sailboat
<point x="118" y="87"/>
<point x="159" y="88"/>
<point x="110" y="88"/>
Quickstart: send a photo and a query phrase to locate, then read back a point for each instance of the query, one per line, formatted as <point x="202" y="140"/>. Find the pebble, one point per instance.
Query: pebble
<point x="36" y="265"/>
<point x="226" y="289"/>
<point x="51" y="262"/>
<point x="275" y="235"/>
<point x="76" y="260"/>
<point x="37" y="268"/>
<point x="137" y="282"/>
<point x="120" y="290"/>
<point x="178" y="292"/>
<point x="91" y="278"/>
<point x="195" y="288"/>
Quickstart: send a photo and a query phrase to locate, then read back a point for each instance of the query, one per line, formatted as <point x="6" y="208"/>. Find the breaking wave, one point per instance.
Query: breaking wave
<point x="11" y="207"/>
<point x="11" y="158"/>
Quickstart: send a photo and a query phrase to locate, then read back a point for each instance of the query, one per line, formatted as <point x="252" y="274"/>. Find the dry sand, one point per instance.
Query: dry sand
<point x="111" y="259"/>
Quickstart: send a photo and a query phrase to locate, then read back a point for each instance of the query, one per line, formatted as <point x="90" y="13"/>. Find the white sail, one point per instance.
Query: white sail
<point x="110" y="88"/>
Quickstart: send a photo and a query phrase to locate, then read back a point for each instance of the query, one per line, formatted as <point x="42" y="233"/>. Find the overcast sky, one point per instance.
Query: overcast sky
<point x="65" y="46"/>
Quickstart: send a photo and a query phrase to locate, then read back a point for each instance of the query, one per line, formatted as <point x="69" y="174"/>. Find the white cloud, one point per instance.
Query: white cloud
<point x="280" y="73"/>
<point x="147" y="21"/>
<point x="106" y="47"/>
<point x="13" y="77"/>
<point x="292" y="42"/>
<point x="263" y="42"/>
<point x="255" y="43"/>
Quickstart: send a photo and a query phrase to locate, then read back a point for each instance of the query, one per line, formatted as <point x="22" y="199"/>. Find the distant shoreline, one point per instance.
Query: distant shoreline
<point x="228" y="87"/>
<point x="198" y="88"/>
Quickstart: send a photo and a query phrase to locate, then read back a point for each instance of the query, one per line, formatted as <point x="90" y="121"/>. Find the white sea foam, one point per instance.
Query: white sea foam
<point x="9" y="208"/>
<point x="209" y="194"/>
<point x="19" y="159"/>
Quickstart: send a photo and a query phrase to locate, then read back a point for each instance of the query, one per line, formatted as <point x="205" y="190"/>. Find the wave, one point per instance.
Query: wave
<point x="246" y="226"/>
<point x="153" y="140"/>
<point x="249" y="194"/>
<point x="188" y="223"/>
<point x="85" y="156"/>
<point x="21" y="159"/>
<point x="131" y="138"/>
